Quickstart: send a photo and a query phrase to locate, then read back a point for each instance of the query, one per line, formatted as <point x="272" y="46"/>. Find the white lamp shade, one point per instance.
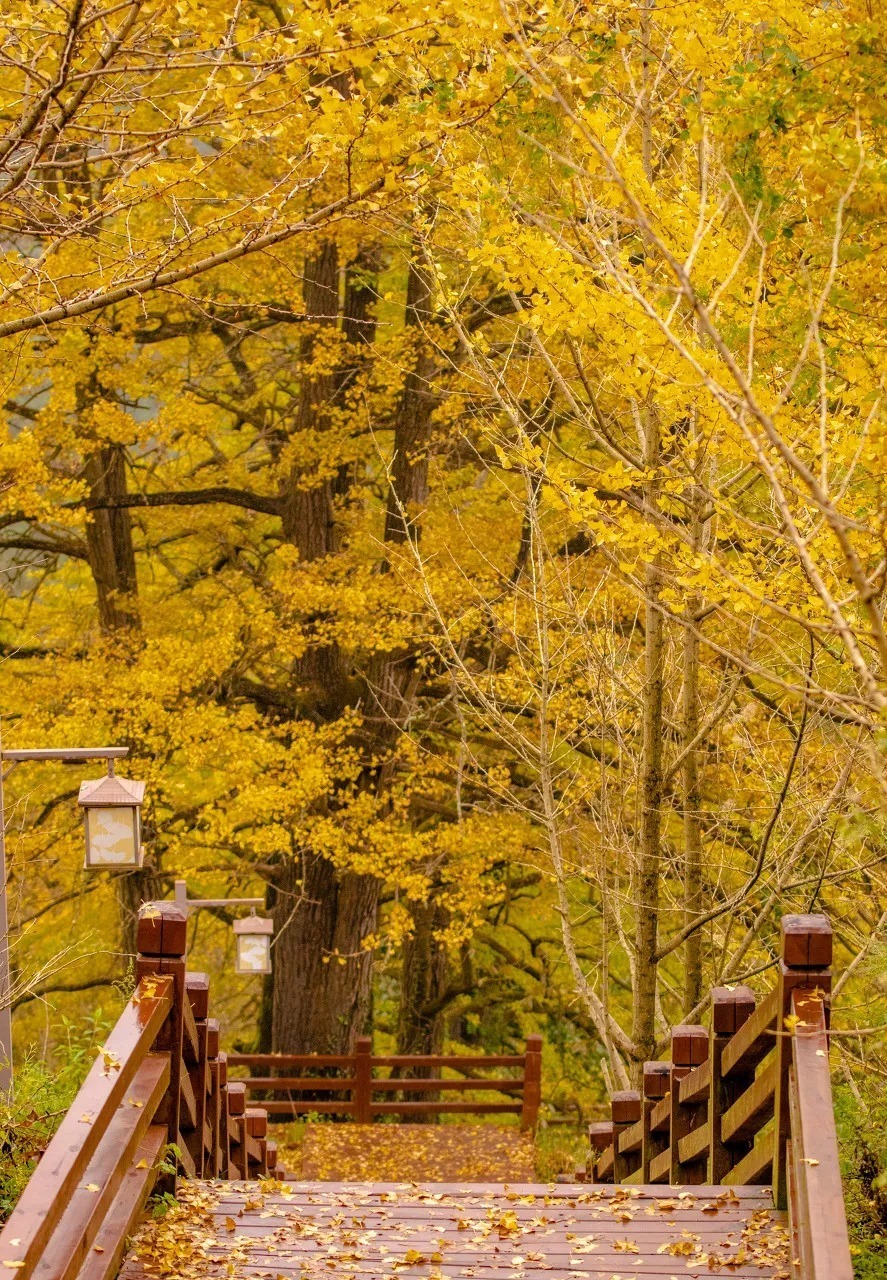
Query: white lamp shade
<point x="253" y="945"/>
<point x="113" y="836"/>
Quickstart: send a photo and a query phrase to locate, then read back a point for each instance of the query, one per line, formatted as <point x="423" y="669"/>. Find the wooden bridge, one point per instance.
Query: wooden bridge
<point x="726" y="1161"/>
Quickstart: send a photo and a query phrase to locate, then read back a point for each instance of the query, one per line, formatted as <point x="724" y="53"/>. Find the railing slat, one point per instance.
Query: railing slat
<point x="695" y="1087"/>
<point x="751" y="1109"/>
<point x="429" y="1108"/>
<point x="288" y="1061"/>
<point x="75" y="1141"/>
<point x="753" y="1041"/>
<point x="696" y="1145"/>
<point x="754" y="1168"/>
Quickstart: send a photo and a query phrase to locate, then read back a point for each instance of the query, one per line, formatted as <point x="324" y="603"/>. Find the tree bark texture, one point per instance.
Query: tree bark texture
<point x="320" y="1004"/>
<point x="321" y="973"/>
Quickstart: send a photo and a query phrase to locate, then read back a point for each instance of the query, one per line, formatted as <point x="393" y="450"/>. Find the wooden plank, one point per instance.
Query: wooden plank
<point x="186" y="1159"/>
<point x="795" y="1247"/>
<point x="630" y="1139"/>
<point x="660" y="1166"/>
<point x="501" y="1086"/>
<point x="754" y="1039"/>
<point x="695" y="1145"/>
<point x="754" y="1168"/>
<point x="822" y="1216"/>
<point x="103" y="1260"/>
<point x="660" y="1117"/>
<point x="75" y="1142"/>
<point x="75" y="1229"/>
<point x="434" y="1108"/>
<point x="278" y="1108"/>
<point x="188" y="1113"/>
<point x="320" y="1084"/>
<point x="752" y="1109"/>
<point x="287" y="1061"/>
<point x="695" y="1087"/>
<point x="460" y="1062"/>
<point x="190" y="1038"/>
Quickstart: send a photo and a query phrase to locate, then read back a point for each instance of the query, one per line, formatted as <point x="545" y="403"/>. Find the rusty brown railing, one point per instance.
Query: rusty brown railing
<point x="155" y="1103"/>
<point x="747" y="1101"/>
<point x="355" y="1093"/>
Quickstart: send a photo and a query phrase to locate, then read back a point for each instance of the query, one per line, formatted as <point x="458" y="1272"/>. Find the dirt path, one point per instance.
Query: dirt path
<point x="413" y="1152"/>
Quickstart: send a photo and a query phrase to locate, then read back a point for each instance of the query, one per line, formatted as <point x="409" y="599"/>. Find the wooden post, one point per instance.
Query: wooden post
<point x="805" y="963"/>
<point x="600" y="1136"/>
<point x="197" y="991"/>
<point x="532" y="1084"/>
<point x="213" y="1099"/>
<point x="625" y="1109"/>
<point x="224" y="1148"/>
<point x="657" y="1082"/>
<point x="238" y="1161"/>
<point x="162" y="941"/>
<point x="255" y="1126"/>
<point x="731" y="1008"/>
<point x="689" y="1049"/>
<point x="363" y="1080"/>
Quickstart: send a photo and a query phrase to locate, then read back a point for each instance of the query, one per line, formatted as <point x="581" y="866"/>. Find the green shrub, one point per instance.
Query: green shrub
<point x="43" y="1092"/>
<point x="862" y="1132"/>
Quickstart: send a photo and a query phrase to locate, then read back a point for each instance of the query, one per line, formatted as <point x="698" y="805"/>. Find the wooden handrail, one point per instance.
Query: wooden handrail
<point x="68" y="1155"/>
<point x="747" y="1102"/>
<point x="160" y="1079"/>
<point x="817" y="1218"/>
<point x="361" y="1083"/>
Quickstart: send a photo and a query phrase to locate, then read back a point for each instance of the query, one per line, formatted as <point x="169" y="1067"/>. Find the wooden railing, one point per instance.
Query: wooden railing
<point x="354" y="1092"/>
<point x="156" y="1103"/>
<point x="747" y="1102"/>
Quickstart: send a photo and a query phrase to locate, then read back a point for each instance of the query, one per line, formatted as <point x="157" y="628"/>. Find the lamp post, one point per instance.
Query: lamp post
<point x="9" y="760"/>
<point x="253" y="933"/>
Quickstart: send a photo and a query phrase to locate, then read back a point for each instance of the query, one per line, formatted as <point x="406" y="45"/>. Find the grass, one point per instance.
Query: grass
<point x="43" y="1092"/>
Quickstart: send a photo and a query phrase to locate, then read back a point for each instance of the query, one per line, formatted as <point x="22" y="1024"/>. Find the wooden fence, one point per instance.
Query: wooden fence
<point x="408" y="1074"/>
<point x="160" y="1079"/>
<point x="747" y="1102"/>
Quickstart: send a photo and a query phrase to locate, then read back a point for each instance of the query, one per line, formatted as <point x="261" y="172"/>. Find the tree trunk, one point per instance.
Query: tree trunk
<point x="650" y="853"/>
<point x="109" y="543"/>
<point x="420" y="1027"/>
<point x="111" y="558"/>
<point x="408" y="490"/>
<point x="321" y="973"/>
<point x="691" y="795"/>
<point x="423" y="981"/>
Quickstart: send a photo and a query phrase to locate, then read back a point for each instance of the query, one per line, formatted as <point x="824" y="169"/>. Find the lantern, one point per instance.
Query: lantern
<point x="253" y="937"/>
<point x="113" y="827"/>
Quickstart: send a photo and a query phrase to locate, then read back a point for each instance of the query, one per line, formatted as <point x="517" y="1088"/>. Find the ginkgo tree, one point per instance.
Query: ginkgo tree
<point x="444" y="444"/>
<point x="168" y="380"/>
<point x="685" y="668"/>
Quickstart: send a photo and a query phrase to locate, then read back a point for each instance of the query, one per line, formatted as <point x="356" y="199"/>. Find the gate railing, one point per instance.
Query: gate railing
<point x="355" y="1092"/>
<point x="156" y="1102"/>
<point x="747" y="1101"/>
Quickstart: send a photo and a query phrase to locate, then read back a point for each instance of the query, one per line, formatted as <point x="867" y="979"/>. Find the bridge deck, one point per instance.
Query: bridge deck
<point x="279" y="1231"/>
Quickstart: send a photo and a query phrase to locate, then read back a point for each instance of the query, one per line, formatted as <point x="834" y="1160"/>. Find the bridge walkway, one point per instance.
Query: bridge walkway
<point x="404" y="1231"/>
<point x="725" y="1161"/>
